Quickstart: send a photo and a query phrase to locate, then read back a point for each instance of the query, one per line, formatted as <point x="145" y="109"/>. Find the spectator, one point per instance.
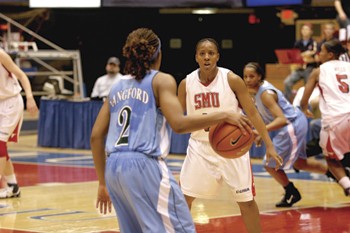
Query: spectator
<point x="308" y="48"/>
<point x="328" y="33"/>
<point x="104" y="83"/>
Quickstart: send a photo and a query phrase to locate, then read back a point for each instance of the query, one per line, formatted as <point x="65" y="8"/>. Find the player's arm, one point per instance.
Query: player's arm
<point x="269" y="99"/>
<point x="238" y="86"/>
<point x="9" y="64"/>
<point x="181" y="94"/>
<point x="238" y="121"/>
<point x="309" y="88"/>
<point x="165" y="88"/>
<point x="97" y="142"/>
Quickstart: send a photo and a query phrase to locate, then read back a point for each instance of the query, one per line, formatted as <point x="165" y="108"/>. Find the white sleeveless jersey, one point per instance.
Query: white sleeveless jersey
<point x="202" y="99"/>
<point x="334" y="84"/>
<point x="9" y="85"/>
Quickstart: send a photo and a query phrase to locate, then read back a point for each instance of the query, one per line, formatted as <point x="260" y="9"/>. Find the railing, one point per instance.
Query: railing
<point x="29" y="51"/>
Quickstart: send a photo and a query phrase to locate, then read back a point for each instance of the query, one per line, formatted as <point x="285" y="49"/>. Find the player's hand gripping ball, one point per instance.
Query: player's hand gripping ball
<point x="228" y="141"/>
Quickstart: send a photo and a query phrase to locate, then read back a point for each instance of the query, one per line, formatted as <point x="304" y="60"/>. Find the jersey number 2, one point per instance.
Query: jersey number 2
<point x="124" y="123"/>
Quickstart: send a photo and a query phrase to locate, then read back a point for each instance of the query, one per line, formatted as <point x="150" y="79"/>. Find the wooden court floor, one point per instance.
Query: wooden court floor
<point x="59" y="189"/>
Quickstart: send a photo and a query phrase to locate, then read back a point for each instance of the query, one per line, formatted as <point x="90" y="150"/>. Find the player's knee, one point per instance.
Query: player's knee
<point x="3" y="150"/>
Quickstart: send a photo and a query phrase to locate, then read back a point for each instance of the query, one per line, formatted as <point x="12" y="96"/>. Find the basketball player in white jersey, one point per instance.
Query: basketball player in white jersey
<point x="11" y="117"/>
<point x="333" y="80"/>
<point x="206" y="90"/>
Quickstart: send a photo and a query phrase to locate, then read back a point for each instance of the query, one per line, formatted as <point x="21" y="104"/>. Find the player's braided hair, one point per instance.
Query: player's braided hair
<point x="141" y="49"/>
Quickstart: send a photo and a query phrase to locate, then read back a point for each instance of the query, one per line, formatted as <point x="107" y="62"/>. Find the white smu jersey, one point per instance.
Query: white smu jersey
<point x="202" y="99"/>
<point x="9" y="85"/>
<point x="334" y="84"/>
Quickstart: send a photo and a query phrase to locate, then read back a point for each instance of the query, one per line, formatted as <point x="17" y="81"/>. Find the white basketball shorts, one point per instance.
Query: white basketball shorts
<point x="11" y="118"/>
<point x="204" y="172"/>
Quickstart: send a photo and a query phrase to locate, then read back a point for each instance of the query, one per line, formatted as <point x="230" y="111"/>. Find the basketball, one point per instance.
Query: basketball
<point x="228" y="141"/>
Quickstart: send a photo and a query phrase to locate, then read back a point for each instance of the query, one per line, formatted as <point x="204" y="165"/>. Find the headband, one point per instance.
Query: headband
<point x="156" y="52"/>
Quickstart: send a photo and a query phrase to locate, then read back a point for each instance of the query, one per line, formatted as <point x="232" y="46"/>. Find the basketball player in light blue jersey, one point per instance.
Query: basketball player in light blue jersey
<point x="289" y="126"/>
<point x="134" y="177"/>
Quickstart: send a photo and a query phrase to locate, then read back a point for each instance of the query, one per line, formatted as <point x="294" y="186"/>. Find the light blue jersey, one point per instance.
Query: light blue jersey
<point x="288" y="110"/>
<point x="144" y="193"/>
<point x="136" y="124"/>
<point x="290" y="140"/>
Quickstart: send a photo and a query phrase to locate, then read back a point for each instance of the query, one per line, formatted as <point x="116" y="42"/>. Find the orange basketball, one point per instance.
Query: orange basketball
<point x="228" y="141"/>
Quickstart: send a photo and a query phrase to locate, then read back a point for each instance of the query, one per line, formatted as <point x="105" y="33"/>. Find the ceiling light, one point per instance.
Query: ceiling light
<point x="204" y="11"/>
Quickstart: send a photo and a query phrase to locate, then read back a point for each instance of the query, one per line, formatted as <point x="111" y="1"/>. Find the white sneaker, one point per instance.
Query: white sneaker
<point x="11" y="191"/>
<point x="3" y="193"/>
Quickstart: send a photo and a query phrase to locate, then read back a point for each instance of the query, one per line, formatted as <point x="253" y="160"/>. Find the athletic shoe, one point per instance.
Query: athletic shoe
<point x="3" y="193"/>
<point x="291" y="196"/>
<point x="11" y="191"/>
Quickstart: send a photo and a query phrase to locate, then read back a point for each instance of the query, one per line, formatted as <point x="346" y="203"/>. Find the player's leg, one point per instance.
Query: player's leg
<point x="339" y="173"/>
<point x="5" y="171"/>
<point x="11" y="118"/>
<point x="11" y="180"/>
<point x="346" y="163"/>
<point x="279" y="175"/>
<point x="311" y="165"/>
<point x="152" y="205"/>
<point x="196" y="166"/>
<point x="250" y="214"/>
<point x="126" y="216"/>
<point x="314" y="166"/>
<point x="291" y="193"/>
<point x="335" y="143"/>
<point x="189" y="200"/>
<point x="3" y="156"/>
<point x="3" y="147"/>
<point x="179" y="213"/>
<point x="238" y="175"/>
<point x="286" y="145"/>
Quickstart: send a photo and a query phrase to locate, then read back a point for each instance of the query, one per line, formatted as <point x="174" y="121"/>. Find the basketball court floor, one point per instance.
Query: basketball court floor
<point x="59" y="188"/>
